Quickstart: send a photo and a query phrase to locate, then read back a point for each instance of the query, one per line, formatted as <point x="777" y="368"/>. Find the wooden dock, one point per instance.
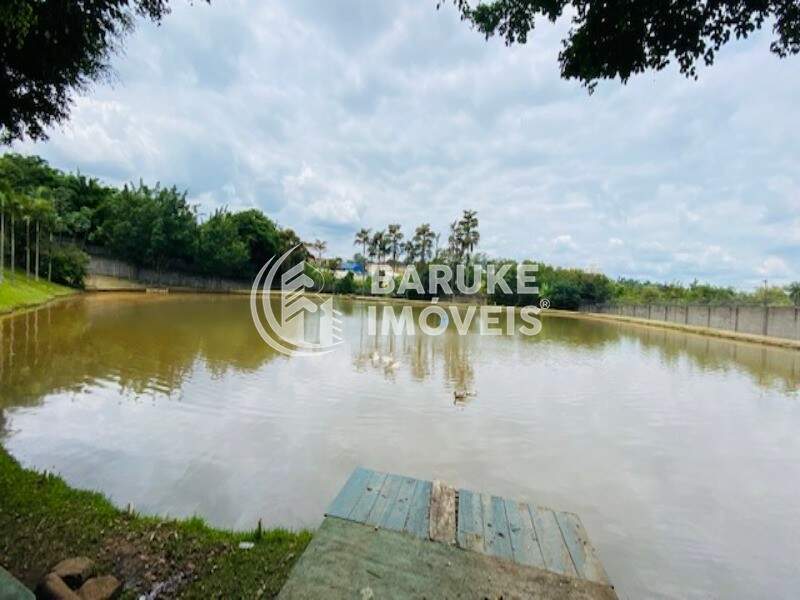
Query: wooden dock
<point x="387" y="535"/>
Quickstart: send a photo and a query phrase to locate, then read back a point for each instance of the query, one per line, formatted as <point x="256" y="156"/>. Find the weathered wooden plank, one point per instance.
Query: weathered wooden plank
<point x="418" y="521"/>
<point x="551" y="541"/>
<point x="470" y="521"/>
<point x="364" y="505"/>
<point x="497" y="541"/>
<point x="443" y="513"/>
<point x="524" y="544"/>
<point x="395" y="517"/>
<point x="350" y="494"/>
<point x="583" y="555"/>
<point x="385" y="500"/>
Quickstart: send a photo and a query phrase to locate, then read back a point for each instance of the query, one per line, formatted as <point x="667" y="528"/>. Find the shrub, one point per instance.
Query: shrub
<point x="69" y="265"/>
<point x="346" y="285"/>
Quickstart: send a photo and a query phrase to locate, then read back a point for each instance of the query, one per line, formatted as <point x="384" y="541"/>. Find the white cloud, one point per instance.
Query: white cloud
<point x="325" y="200"/>
<point x="774" y="266"/>
<point x="331" y="119"/>
<point x="564" y="241"/>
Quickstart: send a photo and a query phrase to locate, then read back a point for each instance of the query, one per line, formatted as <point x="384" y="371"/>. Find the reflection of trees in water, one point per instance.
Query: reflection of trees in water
<point x="769" y="367"/>
<point x="775" y="368"/>
<point x="151" y="344"/>
<point x="144" y="344"/>
<point x="421" y="355"/>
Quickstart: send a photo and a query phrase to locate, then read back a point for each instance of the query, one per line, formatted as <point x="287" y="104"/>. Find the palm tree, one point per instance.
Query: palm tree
<point x="43" y="213"/>
<point x="423" y="237"/>
<point x="469" y="231"/>
<point x="13" y="208"/>
<point x="37" y="213"/>
<point x="455" y="241"/>
<point x="26" y="211"/>
<point x="410" y="250"/>
<point x="320" y="246"/>
<point x="362" y="239"/>
<point x="378" y="245"/>
<point x="56" y="224"/>
<point x="793" y="289"/>
<point x="395" y="236"/>
<point x="2" y="234"/>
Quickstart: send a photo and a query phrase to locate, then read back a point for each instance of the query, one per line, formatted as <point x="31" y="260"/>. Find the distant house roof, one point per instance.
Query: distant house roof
<point x="352" y="266"/>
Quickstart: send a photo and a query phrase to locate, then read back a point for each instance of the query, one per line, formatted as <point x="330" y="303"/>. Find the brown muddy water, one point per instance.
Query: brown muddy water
<point x="680" y="452"/>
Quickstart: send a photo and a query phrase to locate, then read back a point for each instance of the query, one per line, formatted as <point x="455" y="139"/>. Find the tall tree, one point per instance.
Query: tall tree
<point x="55" y="225"/>
<point x="3" y="196"/>
<point x="222" y="252"/>
<point x="320" y="246"/>
<point x="260" y="234"/>
<point x="151" y="226"/>
<point x="469" y="232"/>
<point x="410" y="250"/>
<point x="455" y="241"/>
<point x="793" y="289"/>
<point x="26" y="210"/>
<point x="51" y="50"/>
<point x="394" y="236"/>
<point x="41" y="209"/>
<point x="363" y="239"/>
<point x="379" y="245"/>
<point x="13" y="208"/>
<point x="625" y="37"/>
<point x="423" y="239"/>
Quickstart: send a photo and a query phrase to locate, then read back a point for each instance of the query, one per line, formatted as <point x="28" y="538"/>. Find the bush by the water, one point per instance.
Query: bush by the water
<point x="70" y="265"/>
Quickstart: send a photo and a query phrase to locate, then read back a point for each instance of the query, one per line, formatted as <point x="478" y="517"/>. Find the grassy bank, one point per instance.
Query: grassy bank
<point x="43" y="520"/>
<point x="18" y="291"/>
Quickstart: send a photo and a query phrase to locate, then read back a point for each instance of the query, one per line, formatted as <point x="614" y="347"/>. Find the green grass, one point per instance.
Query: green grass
<point x="18" y="291"/>
<point x="43" y="520"/>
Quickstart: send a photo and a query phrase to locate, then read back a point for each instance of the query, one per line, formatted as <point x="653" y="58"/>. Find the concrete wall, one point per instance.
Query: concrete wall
<point x="774" y="321"/>
<point x="101" y="267"/>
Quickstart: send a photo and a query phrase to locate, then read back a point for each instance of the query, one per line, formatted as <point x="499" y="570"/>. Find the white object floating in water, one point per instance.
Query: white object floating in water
<point x="246" y="545"/>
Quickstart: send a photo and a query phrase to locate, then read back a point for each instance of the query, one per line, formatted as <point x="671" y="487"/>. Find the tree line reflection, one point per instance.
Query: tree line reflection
<point x="153" y="344"/>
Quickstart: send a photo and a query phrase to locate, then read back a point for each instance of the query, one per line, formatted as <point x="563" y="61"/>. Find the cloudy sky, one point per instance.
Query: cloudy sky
<point x="331" y="116"/>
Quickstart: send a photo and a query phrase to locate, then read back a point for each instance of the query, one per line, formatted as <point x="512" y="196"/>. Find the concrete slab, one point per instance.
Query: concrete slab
<point x="347" y="559"/>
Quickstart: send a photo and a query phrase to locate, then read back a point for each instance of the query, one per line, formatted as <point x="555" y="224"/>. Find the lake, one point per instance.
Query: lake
<point x="681" y="453"/>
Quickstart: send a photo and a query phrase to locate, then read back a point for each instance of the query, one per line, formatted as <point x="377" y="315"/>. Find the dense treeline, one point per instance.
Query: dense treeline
<point x="153" y="227"/>
<point x="49" y="218"/>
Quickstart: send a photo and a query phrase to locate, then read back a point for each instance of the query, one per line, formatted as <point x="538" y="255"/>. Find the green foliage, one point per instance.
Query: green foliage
<point x="620" y="39"/>
<point x="150" y="227"/>
<point x="324" y="279"/>
<point x="260" y="235"/>
<point x="222" y="250"/>
<point x="346" y="285"/>
<point x="69" y="265"/>
<point x="565" y="294"/>
<point x="630" y="291"/>
<point x="565" y="288"/>
<point x="793" y="290"/>
<point x="51" y="50"/>
<point x="423" y="241"/>
<point x="156" y="227"/>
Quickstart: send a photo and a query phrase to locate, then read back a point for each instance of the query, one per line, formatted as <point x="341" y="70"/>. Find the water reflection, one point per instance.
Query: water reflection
<point x="142" y="346"/>
<point x="679" y="451"/>
<point x="769" y="367"/>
